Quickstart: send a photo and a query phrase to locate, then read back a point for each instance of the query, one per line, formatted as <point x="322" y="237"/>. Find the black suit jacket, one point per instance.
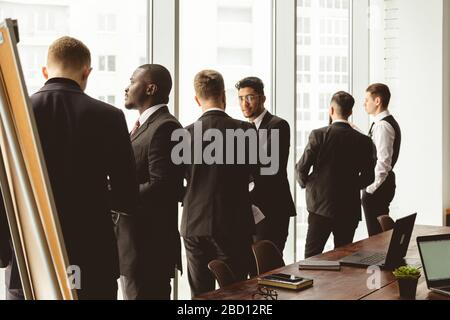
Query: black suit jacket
<point x="160" y="186"/>
<point x="88" y="152"/>
<point x="217" y="200"/>
<point x="272" y="193"/>
<point x="343" y="164"/>
<point x="5" y="248"/>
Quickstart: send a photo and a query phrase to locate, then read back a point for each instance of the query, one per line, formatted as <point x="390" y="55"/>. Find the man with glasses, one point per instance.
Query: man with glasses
<point x="272" y="194"/>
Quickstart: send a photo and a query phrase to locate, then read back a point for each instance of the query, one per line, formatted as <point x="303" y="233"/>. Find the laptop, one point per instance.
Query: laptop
<point x="435" y="257"/>
<point x="398" y="246"/>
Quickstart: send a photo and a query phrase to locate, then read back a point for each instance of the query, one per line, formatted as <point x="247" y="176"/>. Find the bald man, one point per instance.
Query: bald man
<point x="90" y="166"/>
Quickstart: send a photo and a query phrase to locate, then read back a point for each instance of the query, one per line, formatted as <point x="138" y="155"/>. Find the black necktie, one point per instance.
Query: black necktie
<point x="371" y="130"/>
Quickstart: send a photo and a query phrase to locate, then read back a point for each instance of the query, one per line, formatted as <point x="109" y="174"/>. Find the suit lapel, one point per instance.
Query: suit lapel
<point x="265" y="122"/>
<point x="149" y="121"/>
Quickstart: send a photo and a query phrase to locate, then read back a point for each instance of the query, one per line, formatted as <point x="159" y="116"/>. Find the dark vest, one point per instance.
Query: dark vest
<point x="397" y="140"/>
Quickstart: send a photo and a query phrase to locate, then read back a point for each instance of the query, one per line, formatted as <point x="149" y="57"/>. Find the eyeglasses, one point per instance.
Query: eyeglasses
<point x="265" y="293"/>
<point x="248" y="98"/>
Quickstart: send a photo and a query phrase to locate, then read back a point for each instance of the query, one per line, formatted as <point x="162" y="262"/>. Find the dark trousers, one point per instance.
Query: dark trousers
<point x="319" y="230"/>
<point x="104" y="290"/>
<point x="14" y="295"/>
<point x="12" y="280"/>
<point x="236" y="252"/>
<point x="147" y="286"/>
<point x="92" y="290"/>
<point x="377" y="204"/>
<point x="275" y="229"/>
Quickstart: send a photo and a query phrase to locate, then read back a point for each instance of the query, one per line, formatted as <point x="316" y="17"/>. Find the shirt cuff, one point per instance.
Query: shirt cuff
<point x="371" y="189"/>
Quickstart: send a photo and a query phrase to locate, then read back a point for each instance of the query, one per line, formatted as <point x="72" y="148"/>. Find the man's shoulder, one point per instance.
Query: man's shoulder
<point x="220" y="122"/>
<point x="320" y="131"/>
<point x="276" y="122"/>
<point x="167" y="121"/>
<point x="362" y="138"/>
<point x="76" y="98"/>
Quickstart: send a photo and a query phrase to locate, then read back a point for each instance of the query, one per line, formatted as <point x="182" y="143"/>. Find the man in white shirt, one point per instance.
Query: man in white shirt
<point x="386" y="135"/>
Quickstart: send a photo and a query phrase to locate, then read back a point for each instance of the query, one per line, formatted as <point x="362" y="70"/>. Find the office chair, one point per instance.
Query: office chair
<point x="267" y="256"/>
<point x="222" y="272"/>
<point x="386" y="222"/>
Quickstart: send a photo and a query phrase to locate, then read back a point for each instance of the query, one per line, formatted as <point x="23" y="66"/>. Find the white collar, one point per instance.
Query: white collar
<point x="214" y="109"/>
<point x="340" y="121"/>
<point x="381" y="116"/>
<point x="260" y="118"/>
<point x="147" y="113"/>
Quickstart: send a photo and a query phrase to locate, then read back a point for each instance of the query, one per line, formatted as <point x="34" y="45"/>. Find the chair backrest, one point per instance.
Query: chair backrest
<point x="222" y="272"/>
<point x="267" y="256"/>
<point x="386" y="222"/>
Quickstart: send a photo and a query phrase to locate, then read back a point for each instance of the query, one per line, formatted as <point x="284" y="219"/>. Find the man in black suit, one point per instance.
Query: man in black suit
<point x="90" y="165"/>
<point x="343" y="164"/>
<point x="160" y="186"/>
<point x="272" y="194"/>
<point x="217" y="218"/>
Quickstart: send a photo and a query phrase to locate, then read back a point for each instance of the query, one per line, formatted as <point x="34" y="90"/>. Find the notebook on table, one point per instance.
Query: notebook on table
<point x="319" y="265"/>
<point x="284" y="280"/>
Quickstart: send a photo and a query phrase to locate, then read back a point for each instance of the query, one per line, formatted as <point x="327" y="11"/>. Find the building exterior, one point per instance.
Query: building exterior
<point x="323" y="68"/>
<point x="115" y="34"/>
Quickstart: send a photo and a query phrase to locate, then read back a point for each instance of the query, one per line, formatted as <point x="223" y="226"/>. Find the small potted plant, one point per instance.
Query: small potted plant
<point x="407" y="277"/>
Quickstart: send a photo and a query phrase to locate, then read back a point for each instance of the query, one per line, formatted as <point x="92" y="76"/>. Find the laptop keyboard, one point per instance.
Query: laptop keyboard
<point x="374" y="259"/>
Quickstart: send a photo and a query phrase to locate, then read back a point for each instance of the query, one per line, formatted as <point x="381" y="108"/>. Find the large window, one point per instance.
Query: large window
<point x="114" y="32"/>
<point x="233" y="37"/>
<point x="323" y="68"/>
<point x="103" y="28"/>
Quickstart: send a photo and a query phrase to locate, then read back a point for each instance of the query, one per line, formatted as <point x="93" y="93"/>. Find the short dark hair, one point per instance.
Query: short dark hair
<point x="69" y="53"/>
<point x="251" y="82"/>
<point x="380" y="90"/>
<point x="160" y="76"/>
<point x="209" y="84"/>
<point x="345" y="103"/>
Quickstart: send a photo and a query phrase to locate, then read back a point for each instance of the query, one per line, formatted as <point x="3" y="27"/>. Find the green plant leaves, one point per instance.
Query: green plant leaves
<point x="407" y="272"/>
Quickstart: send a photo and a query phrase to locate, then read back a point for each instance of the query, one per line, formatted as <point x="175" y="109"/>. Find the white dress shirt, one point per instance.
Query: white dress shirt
<point x="342" y="121"/>
<point x="259" y="120"/>
<point x="147" y="113"/>
<point x="383" y="136"/>
<point x="214" y="109"/>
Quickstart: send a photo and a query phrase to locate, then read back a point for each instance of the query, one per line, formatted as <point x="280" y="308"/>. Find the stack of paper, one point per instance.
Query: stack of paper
<point x="319" y="265"/>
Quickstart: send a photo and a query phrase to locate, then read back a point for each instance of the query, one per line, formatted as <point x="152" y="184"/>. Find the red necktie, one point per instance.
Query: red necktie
<point x="135" y="129"/>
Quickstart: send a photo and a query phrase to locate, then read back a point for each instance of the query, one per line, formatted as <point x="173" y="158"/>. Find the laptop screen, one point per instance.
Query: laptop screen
<point x="436" y="259"/>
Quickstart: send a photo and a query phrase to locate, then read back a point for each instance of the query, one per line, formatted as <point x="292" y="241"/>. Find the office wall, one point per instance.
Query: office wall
<point x="446" y="105"/>
<point x="416" y="72"/>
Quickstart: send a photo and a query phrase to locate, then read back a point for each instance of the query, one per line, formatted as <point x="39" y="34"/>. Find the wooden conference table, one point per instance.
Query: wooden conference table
<point x="349" y="283"/>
